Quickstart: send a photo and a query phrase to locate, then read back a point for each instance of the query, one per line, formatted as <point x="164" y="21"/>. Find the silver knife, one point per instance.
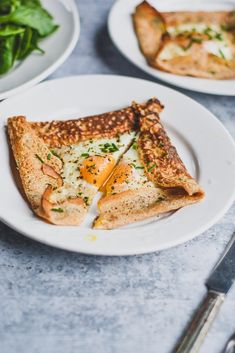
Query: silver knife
<point x="230" y="346"/>
<point x="218" y="285"/>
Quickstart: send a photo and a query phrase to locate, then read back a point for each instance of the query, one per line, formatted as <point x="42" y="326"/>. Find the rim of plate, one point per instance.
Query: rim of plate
<point x="190" y="83"/>
<point x="88" y="247"/>
<point x="55" y="65"/>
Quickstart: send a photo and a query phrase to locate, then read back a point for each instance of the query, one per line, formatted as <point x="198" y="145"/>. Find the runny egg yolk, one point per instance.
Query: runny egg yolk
<point x="120" y="176"/>
<point x="96" y="169"/>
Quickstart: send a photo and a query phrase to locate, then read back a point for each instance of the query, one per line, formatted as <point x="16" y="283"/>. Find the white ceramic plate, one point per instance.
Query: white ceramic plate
<point x="125" y="39"/>
<point x="57" y="48"/>
<point x="203" y="143"/>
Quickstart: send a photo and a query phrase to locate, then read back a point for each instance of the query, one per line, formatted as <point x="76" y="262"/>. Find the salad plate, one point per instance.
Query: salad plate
<point x="57" y="47"/>
<point x="124" y="38"/>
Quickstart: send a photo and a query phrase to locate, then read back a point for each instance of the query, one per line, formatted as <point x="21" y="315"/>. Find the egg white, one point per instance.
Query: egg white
<point x="215" y="46"/>
<point x="171" y="51"/>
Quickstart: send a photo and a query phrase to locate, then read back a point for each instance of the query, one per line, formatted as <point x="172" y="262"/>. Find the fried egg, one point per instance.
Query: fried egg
<point x="129" y="173"/>
<point x="87" y="165"/>
<point x="216" y="44"/>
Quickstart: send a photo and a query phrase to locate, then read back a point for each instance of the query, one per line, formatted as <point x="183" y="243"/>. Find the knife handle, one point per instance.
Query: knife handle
<point x="200" y="324"/>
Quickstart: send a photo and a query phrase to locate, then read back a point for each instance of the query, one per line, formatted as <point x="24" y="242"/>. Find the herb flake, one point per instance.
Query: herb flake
<point x="135" y="146"/>
<point x="59" y="210"/>
<point x="86" y="200"/>
<point x="39" y="158"/>
<point x="85" y="155"/>
<point x="49" y="156"/>
<point x="108" y="147"/>
<point x="222" y="54"/>
<point x="56" y="154"/>
<point x="150" y="169"/>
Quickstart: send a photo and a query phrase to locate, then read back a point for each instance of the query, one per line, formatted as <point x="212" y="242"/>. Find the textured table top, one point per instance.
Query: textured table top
<point x="53" y="301"/>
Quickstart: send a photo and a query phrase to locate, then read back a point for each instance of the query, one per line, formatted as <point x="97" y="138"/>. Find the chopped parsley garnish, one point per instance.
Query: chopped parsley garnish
<point x="39" y="158"/>
<point x="85" y="155"/>
<point x="136" y="166"/>
<point x="59" y="210"/>
<point x="208" y="31"/>
<point x="182" y="179"/>
<point x="161" y="144"/>
<point x="150" y="169"/>
<point x="108" y="147"/>
<point x="221" y="54"/>
<point x="49" y="156"/>
<point x="56" y="154"/>
<point x="192" y="40"/>
<point x="212" y="34"/>
<point x="219" y="36"/>
<point x="135" y="146"/>
<point x="196" y="40"/>
<point x="86" y="200"/>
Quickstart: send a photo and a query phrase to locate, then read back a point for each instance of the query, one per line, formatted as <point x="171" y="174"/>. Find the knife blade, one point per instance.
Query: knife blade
<point x="230" y="346"/>
<point x="218" y="285"/>
<point x="223" y="274"/>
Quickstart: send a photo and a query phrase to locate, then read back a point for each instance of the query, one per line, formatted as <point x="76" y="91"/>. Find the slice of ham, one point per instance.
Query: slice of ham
<point x="69" y="212"/>
<point x="48" y="170"/>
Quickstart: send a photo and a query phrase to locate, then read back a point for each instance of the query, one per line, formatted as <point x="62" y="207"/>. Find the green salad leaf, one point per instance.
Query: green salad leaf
<point x="7" y="6"/>
<point x="10" y="30"/>
<point x="32" y="16"/>
<point x="31" y="2"/>
<point x="7" y="53"/>
<point x="23" y="24"/>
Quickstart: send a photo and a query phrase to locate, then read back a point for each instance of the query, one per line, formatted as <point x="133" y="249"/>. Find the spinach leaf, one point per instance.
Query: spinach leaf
<point x="29" y="43"/>
<point x="18" y="45"/>
<point x="7" y="6"/>
<point x="7" y="53"/>
<point x="34" y="17"/>
<point x="9" y="30"/>
<point x="23" y="23"/>
<point x="31" y="2"/>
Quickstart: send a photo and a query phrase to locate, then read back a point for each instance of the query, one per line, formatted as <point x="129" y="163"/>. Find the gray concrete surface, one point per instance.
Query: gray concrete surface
<point x="52" y="301"/>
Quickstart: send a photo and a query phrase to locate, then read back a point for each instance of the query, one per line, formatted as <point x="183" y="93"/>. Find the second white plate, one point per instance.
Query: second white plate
<point x="123" y="36"/>
<point x="57" y="47"/>
<point x="201" y="140"/>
